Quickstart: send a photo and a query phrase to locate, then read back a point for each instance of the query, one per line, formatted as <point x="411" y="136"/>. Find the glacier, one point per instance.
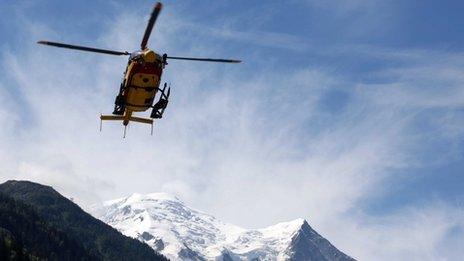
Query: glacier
<point x="179" y="232"/>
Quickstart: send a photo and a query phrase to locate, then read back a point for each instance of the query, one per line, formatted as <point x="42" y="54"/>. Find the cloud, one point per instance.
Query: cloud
<point x="429" y="233"/>
<point x="253" y="144"/>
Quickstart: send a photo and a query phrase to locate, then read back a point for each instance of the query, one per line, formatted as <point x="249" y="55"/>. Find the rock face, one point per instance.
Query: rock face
<point x="167" y="225"/>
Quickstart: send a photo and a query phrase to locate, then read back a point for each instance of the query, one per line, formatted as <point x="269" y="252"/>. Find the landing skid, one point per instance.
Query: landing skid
<point x="125" y="121"/>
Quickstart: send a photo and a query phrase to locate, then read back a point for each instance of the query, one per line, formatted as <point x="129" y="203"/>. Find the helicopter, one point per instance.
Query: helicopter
<point x="141" y="81"/>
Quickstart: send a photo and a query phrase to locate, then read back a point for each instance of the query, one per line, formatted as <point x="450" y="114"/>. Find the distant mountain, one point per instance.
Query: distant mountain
<point x="181" y="233"/>
<point x="37" y="223"/>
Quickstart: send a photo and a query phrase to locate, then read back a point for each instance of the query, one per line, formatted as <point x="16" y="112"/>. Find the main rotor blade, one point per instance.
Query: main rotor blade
<point x="204" y="59"/>
<point x="151" y="23"/>
<point x="82" y="48"/>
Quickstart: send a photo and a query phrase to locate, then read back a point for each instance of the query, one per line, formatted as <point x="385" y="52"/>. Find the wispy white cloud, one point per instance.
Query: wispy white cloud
<point x="429" y="233"/>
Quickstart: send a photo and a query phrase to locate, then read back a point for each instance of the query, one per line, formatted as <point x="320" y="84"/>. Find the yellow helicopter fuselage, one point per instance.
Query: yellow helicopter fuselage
<point x="142" y="80"/>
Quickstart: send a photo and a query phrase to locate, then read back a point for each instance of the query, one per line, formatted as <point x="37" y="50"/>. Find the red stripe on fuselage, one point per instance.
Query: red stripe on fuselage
<point x="148" y="68"/>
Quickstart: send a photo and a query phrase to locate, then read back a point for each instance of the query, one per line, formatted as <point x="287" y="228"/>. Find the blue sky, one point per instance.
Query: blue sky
<point x="347" y="113"/>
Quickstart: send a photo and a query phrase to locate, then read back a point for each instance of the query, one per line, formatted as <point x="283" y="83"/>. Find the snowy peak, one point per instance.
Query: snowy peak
<point x="138" y="198"/>
<point x="165" y="223"/>
<point x="307" y="244"/>
<point x="284" y="229"/>
<point x="169" y="226"/>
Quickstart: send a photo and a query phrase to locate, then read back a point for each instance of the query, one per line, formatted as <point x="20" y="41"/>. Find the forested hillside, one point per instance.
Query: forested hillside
<point x="37" y="222"/>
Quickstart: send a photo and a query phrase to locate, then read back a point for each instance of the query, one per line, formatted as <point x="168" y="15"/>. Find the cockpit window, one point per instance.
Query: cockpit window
<point x="135" y="55"/>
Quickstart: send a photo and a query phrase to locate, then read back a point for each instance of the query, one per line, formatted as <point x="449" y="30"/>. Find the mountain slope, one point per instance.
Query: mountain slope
<point x="179" y="232"/>
<point x="307" y="244"/>
<point x="98" y="239"/>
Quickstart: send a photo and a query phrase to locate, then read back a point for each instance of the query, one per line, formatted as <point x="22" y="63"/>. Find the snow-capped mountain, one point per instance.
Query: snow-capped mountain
<point x="167" y="225"/>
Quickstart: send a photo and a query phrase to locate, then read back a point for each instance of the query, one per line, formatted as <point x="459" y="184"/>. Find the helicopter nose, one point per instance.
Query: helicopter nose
<point x="145" y="80"/>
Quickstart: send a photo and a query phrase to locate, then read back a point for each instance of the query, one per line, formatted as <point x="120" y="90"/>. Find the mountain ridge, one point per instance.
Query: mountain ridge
<point x="169" y="226"/>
